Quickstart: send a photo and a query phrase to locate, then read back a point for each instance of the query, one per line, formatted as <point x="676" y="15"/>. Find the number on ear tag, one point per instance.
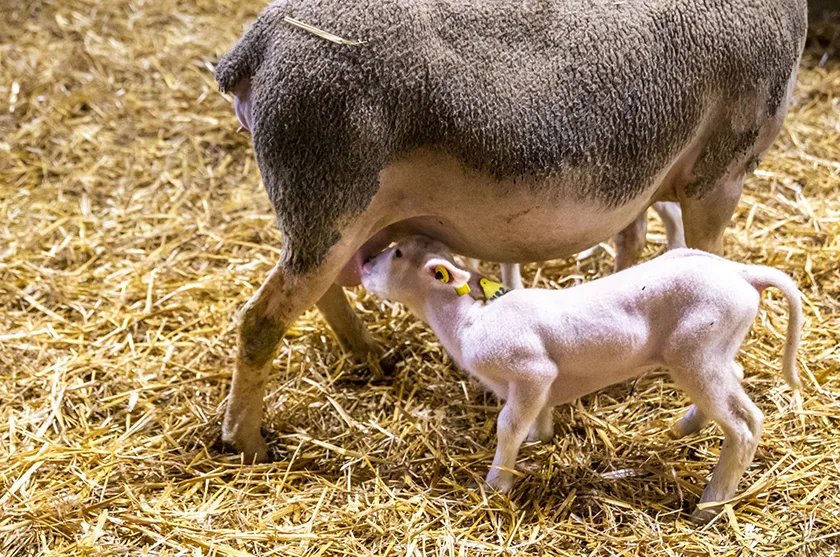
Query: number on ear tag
<point x="492" y="290"/>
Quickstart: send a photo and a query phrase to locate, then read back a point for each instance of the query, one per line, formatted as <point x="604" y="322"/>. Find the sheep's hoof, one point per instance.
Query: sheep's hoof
<point x="381" y="362"/>
<point x="254" y="450"/>
<point x="701" y="517"/>
<point x="388" y="363"/>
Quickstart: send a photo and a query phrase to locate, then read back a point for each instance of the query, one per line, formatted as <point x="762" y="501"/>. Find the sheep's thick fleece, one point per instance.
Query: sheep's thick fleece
<point x="687" y="310"/>
<point x="596" y="93"/>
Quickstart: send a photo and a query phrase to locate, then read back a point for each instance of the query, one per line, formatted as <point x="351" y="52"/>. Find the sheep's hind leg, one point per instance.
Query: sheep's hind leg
<point x="283" y="296"/>
<point x="630" y="243"/>
<point x="705" y="219"/>
<point x="352" y="334"/>
<point x="708" y="200"/>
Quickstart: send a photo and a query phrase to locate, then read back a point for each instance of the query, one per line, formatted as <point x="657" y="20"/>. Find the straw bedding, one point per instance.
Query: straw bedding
<point x="133" y="225"/>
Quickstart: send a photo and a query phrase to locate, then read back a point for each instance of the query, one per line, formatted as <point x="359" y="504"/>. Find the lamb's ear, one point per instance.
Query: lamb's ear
<point x="444" y="271"/>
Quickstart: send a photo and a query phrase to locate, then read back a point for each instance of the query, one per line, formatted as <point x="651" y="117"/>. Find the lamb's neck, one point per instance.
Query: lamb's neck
<point x="450" y="318"/>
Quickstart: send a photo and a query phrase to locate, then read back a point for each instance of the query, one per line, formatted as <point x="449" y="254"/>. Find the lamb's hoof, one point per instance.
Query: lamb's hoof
<point x="501" y="482"/>
<point x="535" y="435"/>
<point x="677" y="431"/>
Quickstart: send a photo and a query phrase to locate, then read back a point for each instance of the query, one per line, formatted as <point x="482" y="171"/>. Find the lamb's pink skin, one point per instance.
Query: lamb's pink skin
<point x="588" y="337"/>
<point x="686" y="310"/>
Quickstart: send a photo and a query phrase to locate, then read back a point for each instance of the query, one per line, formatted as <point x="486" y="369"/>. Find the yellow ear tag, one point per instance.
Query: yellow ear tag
<point x="492" y="290"/>
<point x="442" y="274"/>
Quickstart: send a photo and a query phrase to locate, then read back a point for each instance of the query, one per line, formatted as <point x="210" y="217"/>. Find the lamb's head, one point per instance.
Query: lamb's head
<point x="414" y="270"/>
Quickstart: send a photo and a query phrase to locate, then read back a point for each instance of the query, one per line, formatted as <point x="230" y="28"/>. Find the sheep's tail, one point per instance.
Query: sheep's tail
<point x="761" y="277"/>
<point x="242" y="61"/>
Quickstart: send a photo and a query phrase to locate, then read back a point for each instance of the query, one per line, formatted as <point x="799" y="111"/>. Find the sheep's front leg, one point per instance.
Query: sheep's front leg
<point x="671" y="215"/>
<point x="511" y="273"/>
<point x="523" y="406"/>
<point x="630" y="243"/>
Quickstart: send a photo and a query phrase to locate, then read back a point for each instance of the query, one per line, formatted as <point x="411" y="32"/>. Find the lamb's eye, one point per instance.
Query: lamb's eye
<point x="438" y="275"/>
<point x="397" y="253"/>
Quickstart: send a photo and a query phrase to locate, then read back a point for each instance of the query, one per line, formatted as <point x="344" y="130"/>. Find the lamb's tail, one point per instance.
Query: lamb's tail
<point x="761" y="277"/>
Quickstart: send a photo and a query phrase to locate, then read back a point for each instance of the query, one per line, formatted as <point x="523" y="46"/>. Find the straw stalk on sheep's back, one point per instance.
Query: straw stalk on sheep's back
<point x="510" y="131"/>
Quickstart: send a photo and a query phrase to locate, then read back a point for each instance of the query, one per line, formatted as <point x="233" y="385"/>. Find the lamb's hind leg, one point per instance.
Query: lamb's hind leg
<point x="717" y="392"/>
<point x="741" y="423"/>
<point x="543" y="428"/>
<point x="695" y="419"/>
<point x="692" y="421"/>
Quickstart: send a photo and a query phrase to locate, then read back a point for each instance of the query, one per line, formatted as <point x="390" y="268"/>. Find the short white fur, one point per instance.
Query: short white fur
<point x="686" y="310"/>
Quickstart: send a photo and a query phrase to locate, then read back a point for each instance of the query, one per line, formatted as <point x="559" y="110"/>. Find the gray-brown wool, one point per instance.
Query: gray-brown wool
<point x="511" y="88"/>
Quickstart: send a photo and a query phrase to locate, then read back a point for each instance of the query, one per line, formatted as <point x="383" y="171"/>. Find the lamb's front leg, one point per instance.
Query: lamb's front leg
<point x="524" y="403"/>
<point x="543" y="428"/>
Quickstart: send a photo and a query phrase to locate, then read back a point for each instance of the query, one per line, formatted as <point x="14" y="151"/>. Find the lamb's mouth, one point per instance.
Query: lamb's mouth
<point x="351" y="273"/>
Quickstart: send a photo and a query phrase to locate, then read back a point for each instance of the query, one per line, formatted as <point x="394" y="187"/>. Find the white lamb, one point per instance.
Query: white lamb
<point x="687" y="310"/>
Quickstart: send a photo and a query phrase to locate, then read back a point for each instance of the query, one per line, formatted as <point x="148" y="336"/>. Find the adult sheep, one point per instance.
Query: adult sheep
<point x="509" y="130"/>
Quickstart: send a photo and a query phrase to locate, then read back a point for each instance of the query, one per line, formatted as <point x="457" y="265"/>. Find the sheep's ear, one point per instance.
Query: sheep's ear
<point x="444" y="271"/>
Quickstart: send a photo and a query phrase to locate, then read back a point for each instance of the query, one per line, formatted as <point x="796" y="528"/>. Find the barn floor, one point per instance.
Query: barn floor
<point x="133" y="225"/>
